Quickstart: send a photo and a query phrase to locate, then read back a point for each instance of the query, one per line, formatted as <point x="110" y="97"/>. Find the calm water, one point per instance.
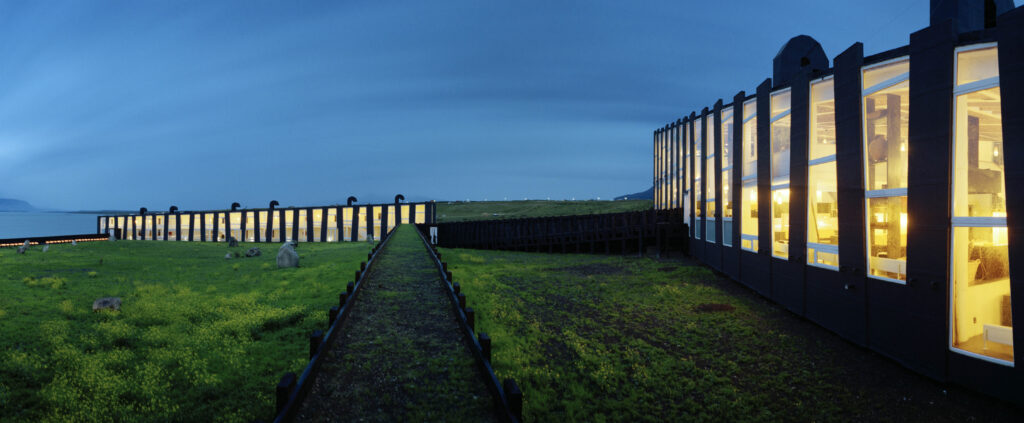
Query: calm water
<point x="17" y="224"/>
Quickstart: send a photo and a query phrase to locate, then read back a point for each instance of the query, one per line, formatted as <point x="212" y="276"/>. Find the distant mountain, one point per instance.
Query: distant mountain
<point x="645" y="195"/>
<point x="10" y="204"/>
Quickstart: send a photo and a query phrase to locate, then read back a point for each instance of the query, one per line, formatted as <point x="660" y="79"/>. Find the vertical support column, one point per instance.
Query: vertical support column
<point x="1011" y="87"/>
<point x="256" y="225"/>
<point x="800" y="118"/>
<point x="355" y="223"/>
<point x="242" y="225"/>
<point x="295" y="224"/>
<point x="920" y="335"/>
<point x="850" y="159"/>
<point x="309" y="225"/>
<point x="324" y="218"/>
<point x="737" y="167"/>
<point x="764" y="169"/>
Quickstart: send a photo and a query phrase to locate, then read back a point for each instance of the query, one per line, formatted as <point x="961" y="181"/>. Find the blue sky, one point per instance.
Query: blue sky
<point x="118" y="105"/>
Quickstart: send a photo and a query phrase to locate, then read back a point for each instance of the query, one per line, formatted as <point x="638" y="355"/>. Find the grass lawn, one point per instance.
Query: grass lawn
<point x="198" y="337"/>
<point x="490" y="210"/>
<point x="596" y="338"/>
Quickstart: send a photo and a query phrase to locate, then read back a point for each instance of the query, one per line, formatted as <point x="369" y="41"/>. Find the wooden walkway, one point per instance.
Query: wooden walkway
<point x="400" y="355"/>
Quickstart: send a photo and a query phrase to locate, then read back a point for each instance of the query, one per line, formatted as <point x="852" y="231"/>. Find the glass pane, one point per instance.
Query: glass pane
<point x="727" y="232"/>
<point x="686" y="208"/>
<point x="689" y="151"/>
<point x="823" y="120"/>
<point x="881" y="74"/>
<point x="748" y="218"/>
<point x="750" y="148"/>
<point x="698" y="150"/>
<point x="780" y="151"/>
<point x="726" y="125"/>
<point x="981" y="292"/>
<point x="710" y="230"/>
<point x="976" y="65"/>
<point x="780" y="223"/>
<point x="823" y="202"/>
<point x="726" y="194"/>
<point x="886" y="114"/>
<point x="979" y="188"/>
<point x="712" y="177"/>
<point x="887" y="237"/>
<point x="815" y="256"/>
<point x="698" y="228"/>
<point x="780" y="103"/>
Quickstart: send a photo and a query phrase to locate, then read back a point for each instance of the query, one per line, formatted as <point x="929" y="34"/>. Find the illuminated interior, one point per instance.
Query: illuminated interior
<point x="726" y="200"/>
<point x="687" y="172"/>
<point x="981" y="313"/>
<point x="421" y="213"/>
<point x="172" y="221"/>
<point x="332" y="224"/>
<point x="318" y="221"/>
<point x="712" y="172"/>
<point x="362" y="223"/>
<point x="780" y="146"/>
<point x="346" y="221"/>
<point x="405" y="213"/>
<point x="822" y="183"/>
<point x="377" y="210"/>
<point x="886" y="91"/>
<point x="698" y="173"/>
<point x="748" y="198"/>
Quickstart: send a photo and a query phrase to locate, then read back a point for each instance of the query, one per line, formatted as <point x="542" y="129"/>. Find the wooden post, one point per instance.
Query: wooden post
<point x="470" y="318"/>
<point x="457" y="288"/>
<point x="342" y="298"/>
<point x="332" y="315"/>
<point x="351" y="287"/>
<point x="485" y="345"/>
<point x="462" y="301"/>
<point x="284" y="390"/>
<point x="515" y="398"/>
<point x="315" y="339"/>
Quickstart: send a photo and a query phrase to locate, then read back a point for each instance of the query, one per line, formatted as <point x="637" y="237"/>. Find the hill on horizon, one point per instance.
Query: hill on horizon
<point x="642" y="195"/>
<point x="11" y="204"/>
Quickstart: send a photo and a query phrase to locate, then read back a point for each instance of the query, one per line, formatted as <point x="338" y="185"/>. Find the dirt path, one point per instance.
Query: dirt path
<point x="400" y="355"/>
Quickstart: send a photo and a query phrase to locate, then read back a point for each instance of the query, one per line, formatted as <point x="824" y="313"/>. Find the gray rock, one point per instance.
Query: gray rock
<point x="232" y="242"/>
<point x="26" y="243"/>
<point x="46" y="248"/>
<point x="73" y="242"/>
<point x="286" y="256"/>
<point x="22" y="249"/>
<point x="112" y="236"/>
<point x="227" y="256"/>
<point x="253" y="252"/>
<point x="107" y="303"/>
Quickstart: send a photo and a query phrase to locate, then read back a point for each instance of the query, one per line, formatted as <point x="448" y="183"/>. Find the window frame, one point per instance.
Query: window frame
<point x="967" y="221"/>
<point x="883" y="193"/>
<point x="726" y="168"/>
<point x="812" y="258"/>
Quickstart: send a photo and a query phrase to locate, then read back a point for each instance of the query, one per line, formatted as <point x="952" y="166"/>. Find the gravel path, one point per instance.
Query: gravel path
<point x="400" y="355"/>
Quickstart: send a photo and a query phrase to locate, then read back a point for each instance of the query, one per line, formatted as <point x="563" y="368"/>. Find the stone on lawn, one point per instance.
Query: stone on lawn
<point x="227" y="256"/>
<point x="287" y="257"/>
<point x="73" y="242"/>
<point x="108" y="303"/>
<point x="46" y="248"/>
<point x="22" y="249"/>
<point x="232" y="242"/>
<point x="253" y="252"/>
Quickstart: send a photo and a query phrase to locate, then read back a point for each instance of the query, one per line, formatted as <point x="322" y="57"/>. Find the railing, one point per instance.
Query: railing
<point x="56" y="239"/>
<point x="508" y="398"/>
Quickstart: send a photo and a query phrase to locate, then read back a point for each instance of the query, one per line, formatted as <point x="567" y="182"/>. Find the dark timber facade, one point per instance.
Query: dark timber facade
<point x="874" y="194"/>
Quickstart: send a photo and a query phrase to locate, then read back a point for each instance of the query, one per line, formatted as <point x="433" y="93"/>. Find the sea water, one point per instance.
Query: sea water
<point x="32" y="224"/>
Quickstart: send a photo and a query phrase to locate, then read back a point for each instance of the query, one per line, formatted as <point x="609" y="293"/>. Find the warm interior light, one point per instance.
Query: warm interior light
<point x="995" y="152"/>
<point x="903" y="146"/>
<point x="903" y="223"/>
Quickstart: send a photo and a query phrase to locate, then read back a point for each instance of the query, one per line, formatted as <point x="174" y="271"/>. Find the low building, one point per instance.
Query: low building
<point x="303" y="224"/>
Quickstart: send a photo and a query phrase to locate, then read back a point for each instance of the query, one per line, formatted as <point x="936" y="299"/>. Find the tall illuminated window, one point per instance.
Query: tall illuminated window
<point x="780" y="126"/>
<point x="318" y="221"/>
<point x="886" y="103"/>
<point x="711" y="183"/>
<point x="680" y="167"/>
<point x="726" y="128"/>
<point x="405" y="214"/>
<point x="687" y="172"/>
<point x="822" y="184"/>
<point x="673" y="176"/>
<point x="980" y="290"/>
<point x="698" y="188"/>
<point x="346" y="222"/>
<point x="748" y="198"/>
<point x="421" y="214"/>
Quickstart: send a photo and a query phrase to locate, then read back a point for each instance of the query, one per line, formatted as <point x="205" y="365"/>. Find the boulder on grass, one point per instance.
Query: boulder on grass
<point x="46" y="248"/>
<point x="107" y="303"/>
<point x="22" y="249"/>
<point x="287" y="257"/>
<point x="232" y="242"/>
<point x="227" y="256"/>
<point x="253" y="252"/>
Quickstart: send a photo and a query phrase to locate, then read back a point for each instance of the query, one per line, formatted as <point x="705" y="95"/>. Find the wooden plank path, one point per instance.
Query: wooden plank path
<point x="400" y="355"/>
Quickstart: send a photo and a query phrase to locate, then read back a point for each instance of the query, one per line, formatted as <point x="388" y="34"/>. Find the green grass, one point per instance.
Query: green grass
<point x="488" y="210"/>
<point x="600" y="338"/>
<point x="198" y="337"/>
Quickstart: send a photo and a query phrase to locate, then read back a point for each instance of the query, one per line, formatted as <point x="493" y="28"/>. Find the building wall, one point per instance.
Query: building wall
<point x="925" y="270"/>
